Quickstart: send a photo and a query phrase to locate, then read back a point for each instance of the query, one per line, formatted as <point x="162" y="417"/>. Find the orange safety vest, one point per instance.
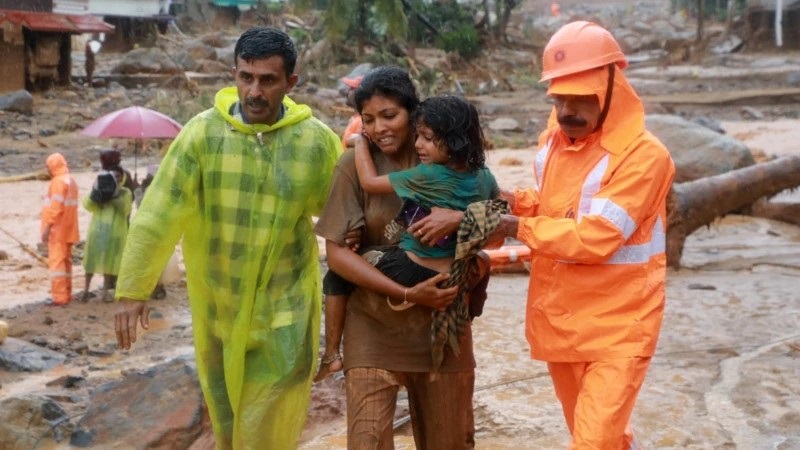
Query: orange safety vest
<point x="595" y="223"/>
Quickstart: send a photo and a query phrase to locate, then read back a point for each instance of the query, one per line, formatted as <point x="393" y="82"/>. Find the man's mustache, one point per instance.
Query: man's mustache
<point x="573" y="121"/>
<point x="256" y="102"/>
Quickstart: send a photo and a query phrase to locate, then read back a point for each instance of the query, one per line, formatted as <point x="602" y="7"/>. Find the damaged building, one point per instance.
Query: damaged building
<point x="762" y="25"/>
<point x="35" y="44"/>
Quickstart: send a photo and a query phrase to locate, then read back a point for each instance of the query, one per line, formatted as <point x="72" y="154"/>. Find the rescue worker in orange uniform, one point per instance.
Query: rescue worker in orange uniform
<point x="59" y="227"/>
<point x="595" y="223"/>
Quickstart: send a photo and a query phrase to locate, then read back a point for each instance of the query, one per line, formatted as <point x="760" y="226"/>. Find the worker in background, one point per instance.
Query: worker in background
<point x="91" y="48"/>
<point x="59" y="227"/>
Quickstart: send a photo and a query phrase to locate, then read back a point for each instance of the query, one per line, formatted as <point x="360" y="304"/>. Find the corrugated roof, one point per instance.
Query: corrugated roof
<point x="39" y="21"/>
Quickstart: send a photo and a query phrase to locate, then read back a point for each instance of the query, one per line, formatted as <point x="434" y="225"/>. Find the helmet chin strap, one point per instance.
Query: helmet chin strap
<point x="607" y="102"/>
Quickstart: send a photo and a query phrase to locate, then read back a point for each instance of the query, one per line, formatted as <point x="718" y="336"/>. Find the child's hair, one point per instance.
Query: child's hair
<point x="456" y="126"/>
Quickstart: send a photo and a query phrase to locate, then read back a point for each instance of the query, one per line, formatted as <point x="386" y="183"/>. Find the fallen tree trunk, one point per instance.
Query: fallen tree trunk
<point x="694" y="204"/>
<point x="784" y="212"/>
<point x="38" y="175"/>
<point x="27" y="249"/>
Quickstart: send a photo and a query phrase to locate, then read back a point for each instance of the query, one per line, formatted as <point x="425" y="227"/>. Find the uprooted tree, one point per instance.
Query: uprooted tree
<point x="694" y="204"/>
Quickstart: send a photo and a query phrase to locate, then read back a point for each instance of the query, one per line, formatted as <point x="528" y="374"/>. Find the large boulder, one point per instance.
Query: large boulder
<point x="17" y="355"/>
<point x="146" y="60"/>
<point x="159" y="408"/>
<point x="192" y="56"/>
<point x="698" y="151"/>
<point x="31" y="421"/>
<point x="19" y="101"/>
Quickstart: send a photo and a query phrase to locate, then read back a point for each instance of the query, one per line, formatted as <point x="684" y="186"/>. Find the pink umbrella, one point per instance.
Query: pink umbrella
<point x="134" y="122"/>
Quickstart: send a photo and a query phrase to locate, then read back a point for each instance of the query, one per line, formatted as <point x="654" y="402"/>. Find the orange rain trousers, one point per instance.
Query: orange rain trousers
<point x="597" y="399"/>
<point x="59" y="260"/>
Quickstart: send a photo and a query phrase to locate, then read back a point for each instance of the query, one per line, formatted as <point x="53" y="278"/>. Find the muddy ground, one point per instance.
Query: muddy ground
<point x="726" y="368"/>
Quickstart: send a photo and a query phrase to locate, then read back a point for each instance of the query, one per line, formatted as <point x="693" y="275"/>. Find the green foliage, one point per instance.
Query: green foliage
<point x="300" y="35"/>
<point x="712" y="9"/>
<point x="382" y="58"/>
<point x="379" y="22"/>
<point x="338" y="18"/>
<point x="454" y="24"/>
<point x="372" y="20"/>
<point x="392" y="14"/>
<point x="431" y="82"/>
<point x="464" y="40"/>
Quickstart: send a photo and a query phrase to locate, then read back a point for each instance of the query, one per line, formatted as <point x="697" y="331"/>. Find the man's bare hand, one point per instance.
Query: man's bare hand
<point x="440" y="223"/>
<point x="129" y="312"/>
<point x="428" y="294"/>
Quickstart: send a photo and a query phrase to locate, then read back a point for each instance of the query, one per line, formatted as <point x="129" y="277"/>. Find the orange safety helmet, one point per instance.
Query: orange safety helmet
<point x="580" y="46"/>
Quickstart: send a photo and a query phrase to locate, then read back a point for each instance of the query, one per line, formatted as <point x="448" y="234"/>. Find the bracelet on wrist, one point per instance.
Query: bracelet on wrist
<point x="402" y="306"/>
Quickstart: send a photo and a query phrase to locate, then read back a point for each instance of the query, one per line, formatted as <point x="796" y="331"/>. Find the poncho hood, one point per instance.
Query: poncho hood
<point x="228" y="96"/>
<point x="57" y="164"/>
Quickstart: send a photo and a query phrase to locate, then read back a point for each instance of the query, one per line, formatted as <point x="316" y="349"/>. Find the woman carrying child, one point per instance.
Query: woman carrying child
<point x="387" y="346"/>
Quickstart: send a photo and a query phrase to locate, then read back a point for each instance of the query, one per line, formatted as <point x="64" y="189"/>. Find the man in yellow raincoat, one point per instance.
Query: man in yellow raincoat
<point x="595" y="223"/>
<point x="239" y="184"/>
<point x="59" y="227"/>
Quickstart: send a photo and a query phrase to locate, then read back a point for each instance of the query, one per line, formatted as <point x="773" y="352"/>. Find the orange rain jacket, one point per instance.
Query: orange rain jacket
<point x="354" y="126"/>
<point x="595" y="222"/>
<point x="60" y="208"/>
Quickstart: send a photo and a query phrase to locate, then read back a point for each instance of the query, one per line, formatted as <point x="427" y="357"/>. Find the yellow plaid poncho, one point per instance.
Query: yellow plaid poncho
<point x="241" y="196"/>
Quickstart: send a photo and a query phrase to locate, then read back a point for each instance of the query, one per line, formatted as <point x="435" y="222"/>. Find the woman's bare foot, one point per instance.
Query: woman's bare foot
<point x="328" y="365"/>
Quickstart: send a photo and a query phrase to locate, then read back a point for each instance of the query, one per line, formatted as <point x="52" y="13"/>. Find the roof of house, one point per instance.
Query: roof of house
<point x="59" y="23"/>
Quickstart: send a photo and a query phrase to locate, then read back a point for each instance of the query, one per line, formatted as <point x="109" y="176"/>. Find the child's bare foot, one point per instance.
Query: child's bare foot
<point x="328" y="365"/>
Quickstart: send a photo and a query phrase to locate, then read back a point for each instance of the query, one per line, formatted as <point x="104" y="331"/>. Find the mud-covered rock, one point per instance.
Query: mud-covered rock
<point x="146" y="60"/>
<point x="19" y="101"/>
<point x="165" y="400"/>
<point x="29" y="421"/>
<point x="17" y="355"/>
<point x="698" y="151"/>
